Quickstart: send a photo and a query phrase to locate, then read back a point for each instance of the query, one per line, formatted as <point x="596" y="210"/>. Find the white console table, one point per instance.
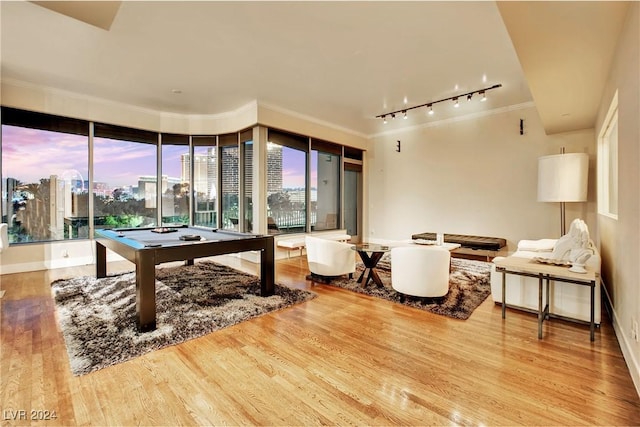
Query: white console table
<point x="545" y="273"/>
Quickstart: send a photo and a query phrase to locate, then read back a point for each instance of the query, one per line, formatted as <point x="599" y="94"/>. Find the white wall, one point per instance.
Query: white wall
<point x="620" y="239"/>
<point x="476" y="175"/>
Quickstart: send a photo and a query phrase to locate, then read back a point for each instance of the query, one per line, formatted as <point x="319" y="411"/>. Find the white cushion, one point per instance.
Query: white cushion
<point x="541" y="245"/>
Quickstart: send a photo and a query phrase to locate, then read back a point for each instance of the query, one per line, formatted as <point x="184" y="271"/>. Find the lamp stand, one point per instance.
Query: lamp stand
<point x="563" y="226"/>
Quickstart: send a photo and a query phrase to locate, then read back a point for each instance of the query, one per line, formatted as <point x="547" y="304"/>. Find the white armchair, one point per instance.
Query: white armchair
<point x="420" y="271"/>
<point x="329" y="258"/>
<point x="4" y="237"/>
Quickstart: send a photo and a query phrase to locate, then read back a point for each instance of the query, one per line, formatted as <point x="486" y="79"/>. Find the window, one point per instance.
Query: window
<point x="199" y="180"/>
<point x="246" y="139"/>
<point x="205" y="178"/>
<point x="286" y="183"/>
<point x="45" y="165"/>
<point x="325" y="185"/>
<point x="608" y="163"/>
<point x="175" y="179"/>
<point x="125" y="177"/>
<point x="229" y="181"/>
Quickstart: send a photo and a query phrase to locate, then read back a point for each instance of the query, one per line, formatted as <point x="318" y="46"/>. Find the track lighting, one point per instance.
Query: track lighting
<point x="429" y="105"/>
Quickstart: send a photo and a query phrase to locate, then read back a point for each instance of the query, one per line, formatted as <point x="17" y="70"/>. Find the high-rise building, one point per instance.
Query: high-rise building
<point x="204" y="172"/>
<point x="274" y="168"/>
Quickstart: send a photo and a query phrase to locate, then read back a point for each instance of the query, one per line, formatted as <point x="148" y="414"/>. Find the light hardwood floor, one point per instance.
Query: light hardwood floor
<point x="340" y="359"/>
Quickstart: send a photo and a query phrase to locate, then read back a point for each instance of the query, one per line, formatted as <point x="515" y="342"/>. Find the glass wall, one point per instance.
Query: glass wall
<point x="229" y="180"/>
<point x="246" y="141"/>
<point x="175" y="179"/>
<point x="352" y="199"/>
<point x="325" y="185"/>
<point x="286" y="183"/>
<point x="45" y="165"/>
<point x="125" y="177"/>
<point x="205" y="178"/>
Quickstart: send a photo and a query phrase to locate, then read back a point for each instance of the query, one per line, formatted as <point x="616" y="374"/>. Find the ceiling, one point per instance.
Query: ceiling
<point x="338" y="62"/>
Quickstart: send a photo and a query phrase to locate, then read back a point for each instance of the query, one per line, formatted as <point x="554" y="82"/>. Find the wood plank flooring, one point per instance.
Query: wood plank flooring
<point x="340" y="359"/>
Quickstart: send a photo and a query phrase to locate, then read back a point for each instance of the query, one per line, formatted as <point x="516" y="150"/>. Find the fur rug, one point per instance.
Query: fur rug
<point x="98" y="316"/>
<point x="469" y="286"/>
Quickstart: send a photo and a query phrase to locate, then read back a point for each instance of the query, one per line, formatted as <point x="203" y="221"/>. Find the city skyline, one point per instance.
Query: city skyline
<point x="67" y="155"/>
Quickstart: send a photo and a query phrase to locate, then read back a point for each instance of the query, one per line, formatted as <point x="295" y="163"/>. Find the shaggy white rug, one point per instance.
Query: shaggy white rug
<point x="98" y="316"/>
<point x="469" y="286"/>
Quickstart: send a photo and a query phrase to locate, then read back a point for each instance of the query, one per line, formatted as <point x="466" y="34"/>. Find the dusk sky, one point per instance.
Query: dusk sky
<point x="31" y="154"/>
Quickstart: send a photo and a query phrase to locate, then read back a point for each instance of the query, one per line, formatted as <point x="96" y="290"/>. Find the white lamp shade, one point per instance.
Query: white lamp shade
<point x="563" y="177"/>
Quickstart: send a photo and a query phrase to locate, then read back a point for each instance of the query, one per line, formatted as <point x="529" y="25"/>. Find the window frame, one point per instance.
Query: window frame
<point x="243" y="140"/>
<point x="608" y="178"/>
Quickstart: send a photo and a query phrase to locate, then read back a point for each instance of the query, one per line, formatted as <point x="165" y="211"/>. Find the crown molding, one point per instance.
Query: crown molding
<point x="310" y="119"/>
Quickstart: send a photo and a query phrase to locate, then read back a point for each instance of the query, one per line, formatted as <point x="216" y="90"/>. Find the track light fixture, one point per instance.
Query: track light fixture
<point x="469" y="95"/>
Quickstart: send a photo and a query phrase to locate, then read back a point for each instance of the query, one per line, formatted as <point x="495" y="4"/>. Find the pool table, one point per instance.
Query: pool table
<point x="148" y="247"/>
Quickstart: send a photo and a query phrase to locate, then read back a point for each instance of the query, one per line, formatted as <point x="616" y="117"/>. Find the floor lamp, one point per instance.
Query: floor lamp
<point x="563" y="178"/>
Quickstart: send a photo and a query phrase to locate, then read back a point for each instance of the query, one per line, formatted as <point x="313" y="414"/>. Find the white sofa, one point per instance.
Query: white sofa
<point x="566" y="299"/>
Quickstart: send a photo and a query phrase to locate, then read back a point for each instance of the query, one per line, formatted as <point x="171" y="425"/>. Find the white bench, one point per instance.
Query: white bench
<point x="297" y="242"/>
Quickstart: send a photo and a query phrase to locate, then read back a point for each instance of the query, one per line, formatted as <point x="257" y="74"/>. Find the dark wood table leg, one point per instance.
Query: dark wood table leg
<point x="370" y="273"/>
<point x="366" y="261"/>
<point x="267" y="270"/>
<point x="146" y="290"/>
<point x="101" y="260"/>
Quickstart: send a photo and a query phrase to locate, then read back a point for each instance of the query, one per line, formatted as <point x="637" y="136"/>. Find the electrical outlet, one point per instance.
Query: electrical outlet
<point x="634" y="331"/>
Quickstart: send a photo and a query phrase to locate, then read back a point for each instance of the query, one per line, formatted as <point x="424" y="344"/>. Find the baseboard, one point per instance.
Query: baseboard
<point x="25" y="267"/>
<point x="626" y="346"/>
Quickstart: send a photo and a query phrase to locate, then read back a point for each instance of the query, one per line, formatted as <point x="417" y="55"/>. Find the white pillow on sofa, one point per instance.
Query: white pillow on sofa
<point x="542" y="245"/>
